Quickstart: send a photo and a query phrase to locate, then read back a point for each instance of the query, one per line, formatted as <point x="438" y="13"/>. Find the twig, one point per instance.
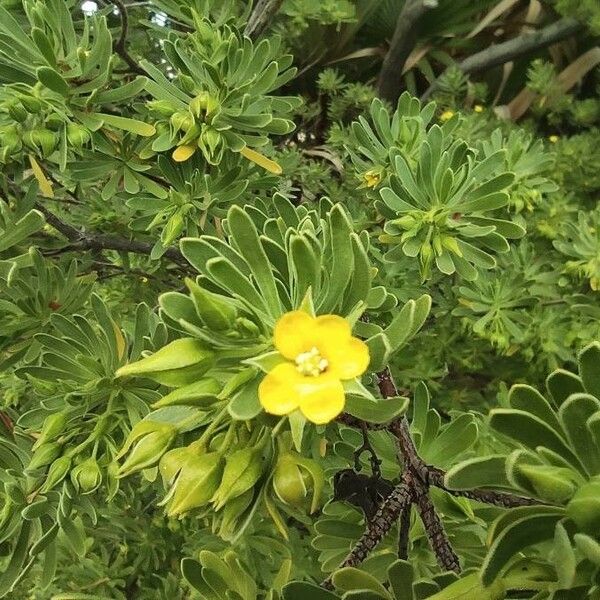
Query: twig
<point x="401" y="45"/>
<point x="262" y="14"/>
<point x="82" y="240"/>
<point x="404" y="533"/>
<point x="514" y="48"/>
<point x="120" y="45"/>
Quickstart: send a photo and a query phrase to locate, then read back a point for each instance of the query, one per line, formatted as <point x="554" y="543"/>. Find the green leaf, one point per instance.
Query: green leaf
<point x="563" y="556"/>
<point x="349" y="578"/>
<point x="131" y="125"/>
<point x="589" y="368"/>
<point x="381" y="411"/>
<point x="300" y="590"/>
<point x="379" y="351"/>
<point x="518" y="535"/>
<point x="245" y="404"/>
<point x="400" y="576"/>
<point x="53" y="80"/>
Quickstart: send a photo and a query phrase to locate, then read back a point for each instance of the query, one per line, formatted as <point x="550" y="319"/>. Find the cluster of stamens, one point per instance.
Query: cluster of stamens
<point x="311" y="363"/>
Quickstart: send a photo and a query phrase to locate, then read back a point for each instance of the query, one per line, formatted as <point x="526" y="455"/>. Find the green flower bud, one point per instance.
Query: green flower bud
<point x="31" y="103"/>
<point x="53" y="426"/>
<point x="196" y="483"/>
<point x="17" y="111"/>
<point x="200" y="393"/>
<point x="43" y="140"/>
<point x="10" y="143"/>
<point x="554" y="484"/>
<point x="182" y="121"/>
<point x="57" y="472"/>
<point x="54" y="122"/>
<point x="77" y="135"/>
<point x="405" y="222"/>
<point x="584" y="507"/>
<point x="295" y="479"/>
<point x="232" y="513"/>
<point x="177" y="364"/>
<point x="242" y="470"/>
<point x="86" y="476"/>
<point x="152" y="441"/>
<point x="211" y="144"/>
<point x="171" y="463"/>
<point x="202" y="105"/>
<point x="44" y="455"/>
<point x="162" y="107"/>
<point x="215" y="311"/>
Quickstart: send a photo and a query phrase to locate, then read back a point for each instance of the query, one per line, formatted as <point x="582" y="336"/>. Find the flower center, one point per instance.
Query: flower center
<point x="311" y="363"/>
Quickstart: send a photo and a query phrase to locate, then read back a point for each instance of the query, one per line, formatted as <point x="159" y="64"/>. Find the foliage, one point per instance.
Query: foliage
<point x="265" y="334"/>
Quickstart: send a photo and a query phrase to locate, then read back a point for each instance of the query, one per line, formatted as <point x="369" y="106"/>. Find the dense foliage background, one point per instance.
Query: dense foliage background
<point x="179" y="174"/>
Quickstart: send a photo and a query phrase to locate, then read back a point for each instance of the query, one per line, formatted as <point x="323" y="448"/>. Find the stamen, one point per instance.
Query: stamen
<point x="311" y="363"/>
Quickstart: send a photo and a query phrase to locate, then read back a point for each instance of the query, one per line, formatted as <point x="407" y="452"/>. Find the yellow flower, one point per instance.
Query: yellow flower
<point x="372" y="177"/>
<point x="320" y="353"/>
<point x="478" y="108"/>
<point x="553" y="139"/>
<point x="446" y="115"/>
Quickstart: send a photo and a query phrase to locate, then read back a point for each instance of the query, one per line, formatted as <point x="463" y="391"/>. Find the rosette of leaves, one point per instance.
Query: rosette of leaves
<point x="529" y="162"/>
<point x="35" y="289"/>
<point x="498" y="307"/>
<point x="557" y="459"/>
<point x="221" y="98"/>
<point x="197" y="197"/>
<point x="58" y="72"/>
<point x="372" y="146"/>
<point x="438" y="209"/>
<point x="580" y="241"/>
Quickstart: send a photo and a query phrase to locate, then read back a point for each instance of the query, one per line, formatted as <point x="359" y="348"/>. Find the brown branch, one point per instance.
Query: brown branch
<point x="438" y="540"/>
<point x="261" y="16"/>
<point x="389" y="83"/>
<point x="499" y="54"/>
<point x="404" y="533"/>
<point x="120" y="46"/>
<point x="81" y="240"/>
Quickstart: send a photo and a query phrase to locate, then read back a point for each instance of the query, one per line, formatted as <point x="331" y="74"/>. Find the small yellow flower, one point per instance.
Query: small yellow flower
<point x="320" y="353"/>
<point x="478" y="108"/>
<point x="553" y="139"/>
<point x="372" y="177"/>
<point x="446" y="115"/>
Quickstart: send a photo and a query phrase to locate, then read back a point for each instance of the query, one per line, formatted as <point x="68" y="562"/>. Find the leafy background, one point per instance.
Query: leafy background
<point x="465" y="225"/>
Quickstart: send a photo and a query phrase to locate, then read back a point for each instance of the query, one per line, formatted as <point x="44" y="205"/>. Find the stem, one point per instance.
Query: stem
<point x="403" y="41"/>
<point x="120" y="45"/>
<point x="261" y="16"/>
<point x="499" y="54"/>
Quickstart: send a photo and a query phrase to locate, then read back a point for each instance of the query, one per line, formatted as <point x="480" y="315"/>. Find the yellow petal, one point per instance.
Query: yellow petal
<point x="322" y="398"/>
<point x="182" y="153"/>
<point x="278" y="392"/>
<point x="261" y="160"/>
<point x="347" y="360"/>
<point x="294" y="333"/>
<point x="43" y="182"/>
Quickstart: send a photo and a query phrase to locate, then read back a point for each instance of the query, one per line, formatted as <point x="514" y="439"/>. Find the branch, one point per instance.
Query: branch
<point x="262" y="14"/>
<point x="510" y="50"/>
<point x="119" y="45"/>
<point x="403" y="533"/>
<point x="91" y="241"/>
<point x="401" y="45"/>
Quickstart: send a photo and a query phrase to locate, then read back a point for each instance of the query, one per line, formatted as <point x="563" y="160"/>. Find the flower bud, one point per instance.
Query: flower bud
<point x="196" y="483"/>
<point x="584" y="507"/>
<point x="31" y="103"/>
<point x="153" y="441"/>
<point x="86" y="476"/>
<point x="242" y="470"/>
<point x="203" y="392"/>
<point x="43" y="140"/>
<point x="295" y="479"/>
<point x="171" y="463"/>
<point x="211" y="144"/>
<point x="17" y="111"/>
<point x="405" y="222"/>
<point x="202" y="105"/>
<point x="53" y="426"/>
<point x="44" y="455"/>
<point x="78" y="135"/>
<point x="182" y="121"/>
<point x="216" y="312"/>
<point x="54" y="122"/>
<point x="179" y="363"/>
<point x="57" y="472"/>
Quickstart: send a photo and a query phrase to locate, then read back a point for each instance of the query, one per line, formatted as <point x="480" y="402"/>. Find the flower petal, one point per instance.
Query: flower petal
<point x="294" y="333"/>
<point x="347" y="360"/>
<point x="278" y="391"/>
<point x="322" y="398"/>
